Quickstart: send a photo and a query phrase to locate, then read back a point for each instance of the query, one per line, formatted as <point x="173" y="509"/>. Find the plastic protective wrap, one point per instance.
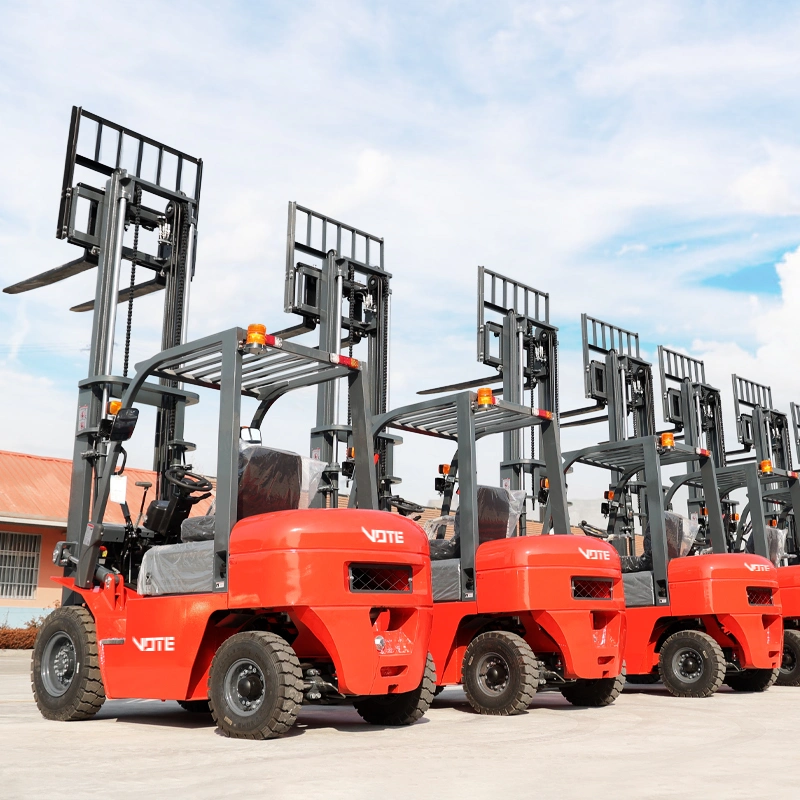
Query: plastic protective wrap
<point x="198" y="529"/>
<point x="776" y="545"/>
<point x="446" y="580"/>
<point x="498" y="513"/>
<point x="446" y="547"/>
<point x="177" y="569"/>
<point x="269" y="480"/>
<point x="639" y="589"/>
<point x="312" y="477"/>
<point x="681" y="533"/>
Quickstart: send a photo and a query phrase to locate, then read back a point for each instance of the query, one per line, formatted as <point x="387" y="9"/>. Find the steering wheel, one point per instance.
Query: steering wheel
<point x="188" y="482"/>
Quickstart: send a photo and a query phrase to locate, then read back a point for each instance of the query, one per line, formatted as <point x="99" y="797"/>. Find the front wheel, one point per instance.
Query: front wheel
<point x="65" y="672"/>
<point x="400" y="709"/>
<point x="752" y="680"/>
<point x="789" y="674"/>
<point x="691" y="664"/>
<point x="255" y="686"/>
<point x="593" y="692"/>
<point x="501" y="673"/>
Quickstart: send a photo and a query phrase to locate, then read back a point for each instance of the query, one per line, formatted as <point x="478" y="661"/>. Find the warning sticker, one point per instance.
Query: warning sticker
<point x="83" y="418"/>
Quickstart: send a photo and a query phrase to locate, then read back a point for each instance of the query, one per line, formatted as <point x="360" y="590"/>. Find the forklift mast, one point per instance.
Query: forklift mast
<point x="116" y="179"/>
<point x="522" y="345"/>
<point x="622" y="382"/>
<point x="759" y="426"/>
<point x="690" y="404"/>
<point x="346" y="293"/>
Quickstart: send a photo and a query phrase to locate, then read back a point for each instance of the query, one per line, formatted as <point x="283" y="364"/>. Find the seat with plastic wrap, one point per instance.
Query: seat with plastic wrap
<point x="637" y="571"/>
<point x="269" y="480"/>
<point x="498" y="513"/>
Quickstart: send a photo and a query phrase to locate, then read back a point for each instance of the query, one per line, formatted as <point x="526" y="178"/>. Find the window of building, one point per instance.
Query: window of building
<point x="19" y="564"/>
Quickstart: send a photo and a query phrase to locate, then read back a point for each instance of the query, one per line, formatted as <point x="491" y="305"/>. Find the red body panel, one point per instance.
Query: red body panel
<point x="789" y="579"/>
<point x="530" y="578"/>
<point x="295" y="562"/>
<point x="713" y="588"/>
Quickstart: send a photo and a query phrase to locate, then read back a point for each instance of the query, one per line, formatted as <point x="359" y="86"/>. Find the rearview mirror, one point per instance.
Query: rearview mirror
<point x="250" y="435"/>
<point x="124" y="424"/>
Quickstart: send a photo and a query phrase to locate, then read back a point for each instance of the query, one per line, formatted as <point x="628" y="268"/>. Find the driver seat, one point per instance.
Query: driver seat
<point x="269" y="480"/>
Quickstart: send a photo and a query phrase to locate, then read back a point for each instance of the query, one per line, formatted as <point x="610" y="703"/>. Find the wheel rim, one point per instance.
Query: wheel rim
<point x="789" y="661"/>
<point x="245" y="687"/>
<point x="59" y="664"/>
<point x="688" y="664"/>
<point x="493" y="674"/>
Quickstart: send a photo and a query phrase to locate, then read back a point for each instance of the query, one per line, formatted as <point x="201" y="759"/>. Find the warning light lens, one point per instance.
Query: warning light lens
<point x="704" y="512"/>
<point x="765" y="466"/>
<point x="256" y="334"/>
<point x="773" y="523"/>
<point x="113" y="407"/>
<point x="444" y="469"/>
<point x="668" y="440"/>
<point x="702" y="452"/>
<point x="351" y="452"/>
<point x="486" y="396"/>
<point x="345" y="361"/>
<point x="735" y="517"/>
<point x="609" y="495"/>
<point x="792" y="474"/>
<point x="544" y="483"/>
<point x="543" y="414"/>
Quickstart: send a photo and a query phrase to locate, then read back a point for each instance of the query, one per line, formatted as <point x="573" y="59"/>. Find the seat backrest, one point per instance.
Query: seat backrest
<point x="269" y="480"/>
<point x="498" y="513"/>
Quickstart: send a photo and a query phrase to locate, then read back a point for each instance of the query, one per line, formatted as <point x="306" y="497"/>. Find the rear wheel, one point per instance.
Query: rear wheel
<point x="752" y="680"/>
<point x="594" y="693"/>
<point x="195" y="706"/>
<point x="789" y="674"/>
<point x="255" y="686"/>
<point x="501" y="674"/>
<point x="400" y="709"/>
<point x="691" y="664"/>
<point x="65" y="672"/>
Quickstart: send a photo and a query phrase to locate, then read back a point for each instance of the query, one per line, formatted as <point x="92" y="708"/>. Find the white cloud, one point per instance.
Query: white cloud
<point x="538" y="139"/>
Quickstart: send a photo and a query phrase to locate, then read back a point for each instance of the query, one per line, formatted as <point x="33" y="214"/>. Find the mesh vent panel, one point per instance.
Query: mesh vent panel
<point x="380" y="578"/>
<point x="591" y="588"/>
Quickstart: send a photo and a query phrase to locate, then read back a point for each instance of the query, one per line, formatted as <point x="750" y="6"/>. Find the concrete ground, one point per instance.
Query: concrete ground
<point x="648" y="744"/>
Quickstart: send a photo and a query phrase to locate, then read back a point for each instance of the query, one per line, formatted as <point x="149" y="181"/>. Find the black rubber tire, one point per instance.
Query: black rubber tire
<point x="518" y="664"/>
<point x="752" y="680"/>
<point x="68" y="637"/>
<point x="643" y="680"/>
<point x="195" y="706"/>
<point x="400" y="709"/>
<point x="282" y="686"/>
<point x="789" y="674"/>
<point x="593" y="693"/>
<point x="708" y="655"/>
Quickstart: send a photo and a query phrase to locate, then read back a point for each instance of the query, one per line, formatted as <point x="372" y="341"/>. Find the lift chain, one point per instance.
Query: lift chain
<point x="531" y="356"/>
<point x="351" y="276"/>
<point x="137" y="211"/>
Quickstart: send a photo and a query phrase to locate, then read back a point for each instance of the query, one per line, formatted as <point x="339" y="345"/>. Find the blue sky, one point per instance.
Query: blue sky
<point x="639" y="161"/>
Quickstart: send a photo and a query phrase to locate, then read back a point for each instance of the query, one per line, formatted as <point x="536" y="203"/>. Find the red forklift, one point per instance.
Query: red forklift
<point x="263" y="605"/>
<point x="762" y="469"/>
<point x="697" y="616"/>
<point x="269" y="609"/>
<point x="513" y="614"/>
